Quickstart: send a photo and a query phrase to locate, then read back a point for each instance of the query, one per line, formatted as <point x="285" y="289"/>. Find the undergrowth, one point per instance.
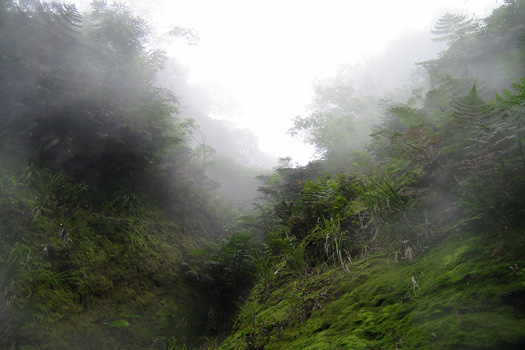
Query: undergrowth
<point x="79" y="274"/>
<point x="464" y="293"/>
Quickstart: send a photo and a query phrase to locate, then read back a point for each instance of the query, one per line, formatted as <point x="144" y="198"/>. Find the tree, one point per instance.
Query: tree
<point x="337" y="123"/>
<point x="81" y="98"/>
<point x="475" y="45"/>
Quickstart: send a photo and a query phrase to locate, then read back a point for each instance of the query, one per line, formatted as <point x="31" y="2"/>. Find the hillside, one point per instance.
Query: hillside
<point x="122" y="227"/>
<point x="101" y="195"/>
<point x="463" y="292"/>
<point x="416" y="240"/>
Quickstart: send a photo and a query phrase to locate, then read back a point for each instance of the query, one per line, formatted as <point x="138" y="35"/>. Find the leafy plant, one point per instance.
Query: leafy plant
<point x="335" y="245"/>
<point x="46" y="188"/>
<point x="266" y="271"/>
<point x="296" y="261"/>
<point x="451" y="28"/>
<point x="382" y="195"/>
<point x="512" y="105"/>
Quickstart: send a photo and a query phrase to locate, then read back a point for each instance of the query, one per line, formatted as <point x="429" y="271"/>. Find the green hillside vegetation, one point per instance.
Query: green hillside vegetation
<point x="415" y="242"/>
<point x="103" y="198"/>
<point x="78" y="275"/>
<point x="115" y="232"/>
<point x="461" y="294"/>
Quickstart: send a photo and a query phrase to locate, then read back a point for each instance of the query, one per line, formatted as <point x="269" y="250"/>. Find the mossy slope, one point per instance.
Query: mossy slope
<point x="464" y="293"/>
<point x="81" y="275"/>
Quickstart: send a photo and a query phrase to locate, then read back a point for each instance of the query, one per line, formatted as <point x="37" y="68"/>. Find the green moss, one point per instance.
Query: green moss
<point x="80" y="267"/>
<point x="466" y="292"/>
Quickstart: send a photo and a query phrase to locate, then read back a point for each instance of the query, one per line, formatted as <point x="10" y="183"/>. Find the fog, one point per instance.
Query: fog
<point x="160" y="158"/>
<point x="257" y="60"/>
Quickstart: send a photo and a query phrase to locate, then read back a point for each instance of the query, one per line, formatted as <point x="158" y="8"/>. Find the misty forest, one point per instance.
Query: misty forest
<point x="132" y="219"/>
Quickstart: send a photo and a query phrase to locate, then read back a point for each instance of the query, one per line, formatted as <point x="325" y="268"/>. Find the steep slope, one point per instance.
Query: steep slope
<point x="417" y="242"/>
<point x="99" y="195"/>
<point x="465" y="292"/>
<point x="84" y="276"/>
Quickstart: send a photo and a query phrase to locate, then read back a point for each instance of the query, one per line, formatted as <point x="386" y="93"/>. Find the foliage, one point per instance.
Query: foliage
<point x="266" y="271"/>
<point x="453" y="296"/>
<point x="88" y="107"/>
<point x="105" y="203"/>
<point x="511" y="105"/>
<point x="420" y="237"/>
<point x="91" y="267"/>
<point x="490" y="51"/>
<point x="223" y="272"/>
<point x="8" y="266"/>
<point x="98" y="193"/>
<point x="453" y="28"/>
<point x="337" y="122"/>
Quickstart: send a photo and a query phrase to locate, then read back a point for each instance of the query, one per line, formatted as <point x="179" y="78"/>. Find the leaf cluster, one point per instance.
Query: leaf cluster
<point x="78" y="94"/>
<point x="452" y="144"/>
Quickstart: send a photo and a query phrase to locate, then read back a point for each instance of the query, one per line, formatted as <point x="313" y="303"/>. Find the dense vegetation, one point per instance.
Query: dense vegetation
<point x="103" y="195"/>
<point x="416" y="240"/>
<point x="406" y="233"/>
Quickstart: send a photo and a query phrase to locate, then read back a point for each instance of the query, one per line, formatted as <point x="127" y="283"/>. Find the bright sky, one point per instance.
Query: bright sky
<point x="266" y="53"/>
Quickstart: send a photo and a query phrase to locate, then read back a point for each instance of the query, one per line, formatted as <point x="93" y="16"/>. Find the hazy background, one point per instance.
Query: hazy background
<point x="256" y="61"/>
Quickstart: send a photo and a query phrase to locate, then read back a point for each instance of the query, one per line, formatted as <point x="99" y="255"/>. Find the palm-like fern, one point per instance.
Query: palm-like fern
<point x="513" y="99"/>
<point x="451" y="28"/>
<point x="445" y="90"/>
<point x="409" y="133"/>
<point x="471" y="110"/>
<point x="414" y="116"/>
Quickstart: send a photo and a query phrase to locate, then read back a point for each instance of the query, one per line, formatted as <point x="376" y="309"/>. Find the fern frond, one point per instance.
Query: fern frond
<point x="453" y="27"/>
<point x="445" y="89"/>
<point x="472" y="109"/>
<point x="512" y="99"/>
<point x="414" y="116"/>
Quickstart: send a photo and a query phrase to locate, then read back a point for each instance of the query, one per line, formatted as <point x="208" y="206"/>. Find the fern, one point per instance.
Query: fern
<point x="414" y="116"/>
<point x="451" y="28"/>
<point x="472" y="110"/>
<point x="512" y="99"/>
<point x="445" y="89"/>
<point x="514" y="102"/>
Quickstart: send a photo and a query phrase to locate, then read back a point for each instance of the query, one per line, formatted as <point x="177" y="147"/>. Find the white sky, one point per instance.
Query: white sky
<point x="267" y="53"/>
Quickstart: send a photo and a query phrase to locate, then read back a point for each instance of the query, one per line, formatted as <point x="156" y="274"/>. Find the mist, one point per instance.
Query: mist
<point x="238" y="174"/>
<point x="250" y="54"/>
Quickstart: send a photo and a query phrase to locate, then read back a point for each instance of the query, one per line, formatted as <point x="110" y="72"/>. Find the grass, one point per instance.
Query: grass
<point x="465" y="293"/>
<point x="83" y="267"/>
